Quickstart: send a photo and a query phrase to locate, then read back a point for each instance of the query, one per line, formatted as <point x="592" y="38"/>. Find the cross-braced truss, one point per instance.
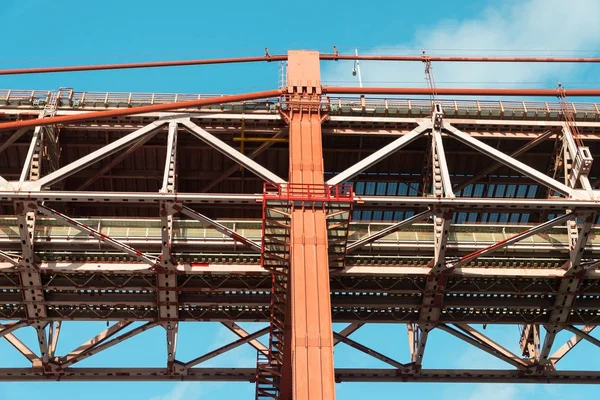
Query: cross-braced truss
<point x="152" y="219"/>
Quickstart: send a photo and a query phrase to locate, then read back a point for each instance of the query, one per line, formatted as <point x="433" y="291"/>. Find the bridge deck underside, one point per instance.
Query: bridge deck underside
<point x="218" y="278"/>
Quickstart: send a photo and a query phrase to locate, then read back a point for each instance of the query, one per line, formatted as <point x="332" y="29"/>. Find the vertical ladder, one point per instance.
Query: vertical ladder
<point x="279" y="202"/>
<point x="282" y="74"/>
<point x="51" y="149"/>
<point x="266" y="385"/>
<point x="275" y="258"/>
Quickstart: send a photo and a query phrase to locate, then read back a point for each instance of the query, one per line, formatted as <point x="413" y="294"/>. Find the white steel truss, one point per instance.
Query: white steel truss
<point x="392" y="273"/>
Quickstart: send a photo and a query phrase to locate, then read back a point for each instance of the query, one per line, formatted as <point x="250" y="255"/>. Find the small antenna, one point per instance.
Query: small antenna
<point x="356" y="69"/>
<point x="429" y="78"/>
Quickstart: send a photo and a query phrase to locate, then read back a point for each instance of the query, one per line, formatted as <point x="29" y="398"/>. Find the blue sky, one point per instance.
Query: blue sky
<point x="62" y="32"/>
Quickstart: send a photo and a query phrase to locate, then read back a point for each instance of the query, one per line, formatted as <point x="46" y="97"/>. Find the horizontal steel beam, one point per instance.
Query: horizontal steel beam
<point x="398" y="202"/>
<point x="283" y="57"/>
<point x="478" y="59"/>
<point x="480" y="204"/>
<point x="341" y="375"/>
<point x="136" y="65"/>
<point x="250" y="313"/>
<point x="131" y="197"/>
<point x="89" y="268"/>
<point x="244" y="298"/>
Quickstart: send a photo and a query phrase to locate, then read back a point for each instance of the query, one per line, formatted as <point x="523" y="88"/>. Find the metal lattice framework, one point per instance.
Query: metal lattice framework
<point x="160" y="209"/>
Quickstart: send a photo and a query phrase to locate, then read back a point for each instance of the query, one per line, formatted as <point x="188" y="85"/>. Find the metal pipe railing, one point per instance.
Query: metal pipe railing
<point x="458" y="91"/>
<point x="138" y="110"/>
<point x="283" y="57"/>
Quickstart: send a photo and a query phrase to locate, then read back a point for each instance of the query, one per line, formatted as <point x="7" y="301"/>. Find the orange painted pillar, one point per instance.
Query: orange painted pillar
<point x="311" y="339"/>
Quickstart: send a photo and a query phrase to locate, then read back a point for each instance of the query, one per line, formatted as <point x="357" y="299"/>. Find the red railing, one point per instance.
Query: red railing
<point x="308" y="192"/>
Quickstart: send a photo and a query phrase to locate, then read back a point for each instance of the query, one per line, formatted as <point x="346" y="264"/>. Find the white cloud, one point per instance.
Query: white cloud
<point x="494" y="392"/>
<point x="528" y="27"/>
<point x="182" y="391"/>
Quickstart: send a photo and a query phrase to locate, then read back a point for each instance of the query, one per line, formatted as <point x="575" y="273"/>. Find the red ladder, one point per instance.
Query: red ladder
<point x="279" y="200"/>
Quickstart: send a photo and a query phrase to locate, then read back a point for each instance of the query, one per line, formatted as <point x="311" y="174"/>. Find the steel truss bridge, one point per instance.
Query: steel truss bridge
<point x="300" y="207"/>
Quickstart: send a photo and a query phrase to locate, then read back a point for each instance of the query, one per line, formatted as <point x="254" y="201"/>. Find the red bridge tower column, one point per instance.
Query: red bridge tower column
<point x="309" y="339"/>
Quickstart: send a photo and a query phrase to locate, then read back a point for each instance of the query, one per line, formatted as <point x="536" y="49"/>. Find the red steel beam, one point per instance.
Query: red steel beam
<point x="268" y="58"/>
<point x="139" y="110"/>
<point x="424" y="58"/>
<point x="311" y="336"/>
<point x="152" y="64"/>
<point x="458" y="91"/>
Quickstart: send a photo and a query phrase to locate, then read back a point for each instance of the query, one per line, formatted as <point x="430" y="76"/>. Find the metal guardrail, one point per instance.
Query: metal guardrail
<point x="150" y="229"/>
<point x="457" y="108"/>
<point x="308" y="192"/>
<point x="68" y="98"/>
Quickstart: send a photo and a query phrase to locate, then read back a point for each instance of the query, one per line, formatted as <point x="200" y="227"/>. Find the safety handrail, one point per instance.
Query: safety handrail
<point x="69" y="98"/>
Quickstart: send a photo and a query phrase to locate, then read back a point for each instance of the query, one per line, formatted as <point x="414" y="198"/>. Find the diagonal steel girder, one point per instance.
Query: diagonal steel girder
<point x="8" y="257"/>
<point x="486" y="344"/>
<point x="369" y="351"/>
<point x="380" y="154"/>
<point x="583" y="335"/>
<point x="98" y="339"/>
<point x="347" y="331"/>
<point x="150" y="260"/>
<point x="486" y="171"/>
<point x="22" y="348"/>
<point x="241" y="332"/>
<point x="507" y="242"/>
<point x="9" y="328"/>
<point x="115" y="161"/>
<point x="227" y="347"/>
<point x="5" y="185"/>
<point x="31" y="153"/>
<point x="508" y="161"/>
<point x="219" y="227"/>
<point x="230" y="152"/>
<point x="95" y="349"/>
<point x="13" y="138"/>
<point x="570" y="344"/>
<point x="259" y="150"/>
<point x="389" y="230"/>
<point x="94" y="156"/>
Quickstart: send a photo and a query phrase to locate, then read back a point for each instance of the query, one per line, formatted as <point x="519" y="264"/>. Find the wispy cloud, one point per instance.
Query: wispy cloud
<point x="183" y="391"/>
<point x="494" y="392"/>
<point x="516" y="27"/>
